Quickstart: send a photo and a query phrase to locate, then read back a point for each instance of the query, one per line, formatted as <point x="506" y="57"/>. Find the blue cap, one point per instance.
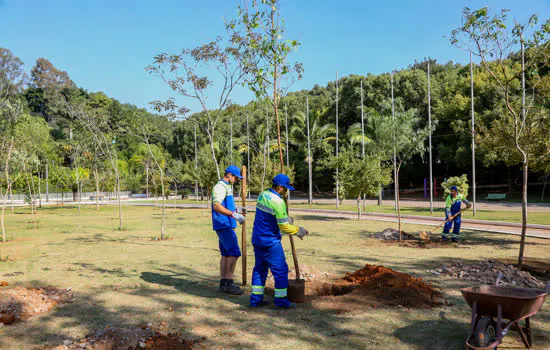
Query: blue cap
<point x="282" y="180"/>
<point x="234" y="170"/>
<point x="454" y="188"/>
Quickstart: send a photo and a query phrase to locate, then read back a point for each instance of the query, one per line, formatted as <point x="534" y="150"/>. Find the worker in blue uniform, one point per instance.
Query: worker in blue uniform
<point x="271" y="220"/>
<point x="453" y="204"/>
<point x="225" y="216"/>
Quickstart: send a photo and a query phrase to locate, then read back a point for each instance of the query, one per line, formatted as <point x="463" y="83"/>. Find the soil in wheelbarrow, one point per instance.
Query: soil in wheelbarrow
<point x="486" y="272"/>
<point x="373" y="286"/>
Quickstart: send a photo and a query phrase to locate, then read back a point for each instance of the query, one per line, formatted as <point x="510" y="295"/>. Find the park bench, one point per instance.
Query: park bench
<point x="93" y="198"/>
<point x="496" y="196"/>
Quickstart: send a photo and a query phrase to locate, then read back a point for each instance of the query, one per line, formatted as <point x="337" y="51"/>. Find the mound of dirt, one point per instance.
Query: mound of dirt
<point x="486" y="272"/>
<point x="390" y="287"/>
<point x="20" y="302"/>
<point x="145" y="337"/>
<point x="391" y="234"/>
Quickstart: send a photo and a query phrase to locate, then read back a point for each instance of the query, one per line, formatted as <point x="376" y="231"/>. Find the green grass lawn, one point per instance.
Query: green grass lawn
<point x="503" y="216"/>
<point x="124" y="278"/>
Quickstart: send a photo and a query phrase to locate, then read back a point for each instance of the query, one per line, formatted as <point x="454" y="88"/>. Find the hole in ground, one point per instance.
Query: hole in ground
<point x="329" y="289"/>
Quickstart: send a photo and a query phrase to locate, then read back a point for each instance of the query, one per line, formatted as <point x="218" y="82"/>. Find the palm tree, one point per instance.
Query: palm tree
<point x="319" y="135"/>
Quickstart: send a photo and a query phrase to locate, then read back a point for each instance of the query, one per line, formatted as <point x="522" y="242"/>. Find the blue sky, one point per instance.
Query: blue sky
<point x="105" y="45"/>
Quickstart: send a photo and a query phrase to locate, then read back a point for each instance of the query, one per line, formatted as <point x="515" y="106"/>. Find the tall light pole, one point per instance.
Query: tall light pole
<point x="196" y="167"/>
<point x="231" y="139"/>
<point x="473" y="135"/>
<point x="363" y="137"/>
<point x="267" y="129"/>
<point x="287" y="150"/>
<point x="310" y="174"/>
<point x="430" y="141"/>
<point x="337" y="187"/>
<point x="394" y="150"/>
<point x="286" y="128"/>
<point x="247" y="151"/>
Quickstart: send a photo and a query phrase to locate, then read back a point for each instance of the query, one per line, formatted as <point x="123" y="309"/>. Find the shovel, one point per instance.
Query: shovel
<point x="425" y="236"/>
<point x="297" y="287"/>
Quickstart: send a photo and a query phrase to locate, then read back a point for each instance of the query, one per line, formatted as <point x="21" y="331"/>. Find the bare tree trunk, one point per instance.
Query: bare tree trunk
<point x="3" y="210"/>
<point x="211" y="137"/>
<point x="96" y="177"/>
<point x="359" y="207"/>
<point x="119" y="204"/>
<point x="523" y="212"/>
<point x="30" y="193"/>
<point x="77" y="178"/>
<point x="34" y="197"/>
<point x="398" y="205"/>
<point x="545" y="178"/>
<point x="380" y="197"/>
<point x="163" y="205"/>
<point x="11" y="199"/>
<point x="8" y="189"/>
<point x="40" y="191"/>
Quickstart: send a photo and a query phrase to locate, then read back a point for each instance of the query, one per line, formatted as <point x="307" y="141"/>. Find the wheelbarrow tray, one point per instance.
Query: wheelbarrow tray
<point x="516" y="303"/>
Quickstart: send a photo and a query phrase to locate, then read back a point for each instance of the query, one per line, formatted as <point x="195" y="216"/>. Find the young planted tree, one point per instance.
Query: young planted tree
<point x="360" y="176"/>
<point x="513" y="54"/>
<point x="258" y="34"/>
<point x="192" y="74"/>
<point x="408" y="136"/>
<point x="104" y="136"/>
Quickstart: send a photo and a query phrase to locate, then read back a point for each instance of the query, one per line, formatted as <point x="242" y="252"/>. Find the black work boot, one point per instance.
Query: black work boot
<point x="223" y="283"/>
<point x="232" y="288"/>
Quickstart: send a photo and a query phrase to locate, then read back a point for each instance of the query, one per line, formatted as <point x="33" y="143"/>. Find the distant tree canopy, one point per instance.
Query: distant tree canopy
<point x="46" y="100"/>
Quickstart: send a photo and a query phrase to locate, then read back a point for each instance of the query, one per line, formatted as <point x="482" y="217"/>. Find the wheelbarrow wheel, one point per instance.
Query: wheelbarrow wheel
<point x="485" y="332"/>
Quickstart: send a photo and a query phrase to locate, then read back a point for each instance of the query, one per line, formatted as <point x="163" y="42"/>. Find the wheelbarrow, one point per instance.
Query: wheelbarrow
<point x="492" y="305"/>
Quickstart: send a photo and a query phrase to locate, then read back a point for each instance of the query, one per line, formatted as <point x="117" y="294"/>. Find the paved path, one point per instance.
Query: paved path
<point x="506" y="206"/>
<point x="540" y="231"/>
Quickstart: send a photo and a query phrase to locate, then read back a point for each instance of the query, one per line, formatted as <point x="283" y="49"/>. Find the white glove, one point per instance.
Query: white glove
<point x="240" y="218"/>
<point x="241" y="210"/>
<point x="302" y="232"/>
<point x="291" y="220"/>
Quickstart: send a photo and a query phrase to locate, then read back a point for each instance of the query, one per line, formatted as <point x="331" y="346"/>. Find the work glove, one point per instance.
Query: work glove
<point x="241" y="210"/>
<point x="302" y="232"/>
<point x="239" y="217"/>
<point x="448" y="212"/>
<point x="291" y="220"/>
<point x="468" y="205"/>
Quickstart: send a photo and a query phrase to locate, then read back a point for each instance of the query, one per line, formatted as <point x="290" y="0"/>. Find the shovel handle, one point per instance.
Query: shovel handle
<point x="295" y="257"/>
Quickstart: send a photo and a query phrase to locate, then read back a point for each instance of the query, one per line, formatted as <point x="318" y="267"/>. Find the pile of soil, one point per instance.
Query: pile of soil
<point x="20" y="302"/>
<point x="144" y="337"/>
<point x="393" y="288"/>
<point x="371" y="287"/>
<point x="486" y="272"/>
<point x="391" y="234"/>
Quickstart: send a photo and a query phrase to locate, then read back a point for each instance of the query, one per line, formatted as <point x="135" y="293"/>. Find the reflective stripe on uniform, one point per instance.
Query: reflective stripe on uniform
<point x="265" y="208"/>
<point x="282" y="221"/>
<point x="258" y="290"/>
<point x="280" y="293"/>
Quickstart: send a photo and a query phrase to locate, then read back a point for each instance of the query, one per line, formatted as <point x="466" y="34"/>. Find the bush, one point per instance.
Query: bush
<point x="459" y="181"/>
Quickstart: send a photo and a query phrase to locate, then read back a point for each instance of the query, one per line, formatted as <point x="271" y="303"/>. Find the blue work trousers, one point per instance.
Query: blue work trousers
<point x="270" y="258"/>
